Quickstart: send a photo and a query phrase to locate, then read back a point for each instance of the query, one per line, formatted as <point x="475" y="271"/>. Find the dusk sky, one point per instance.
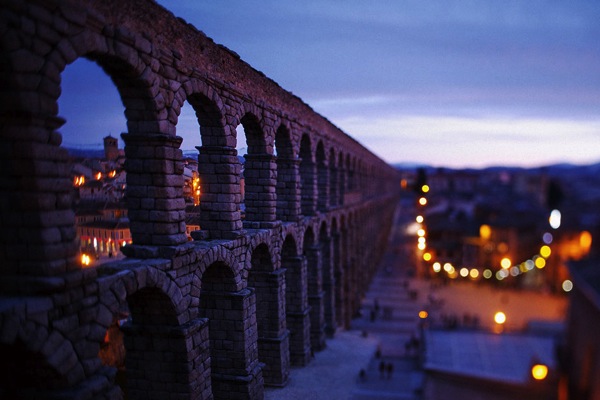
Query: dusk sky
<point x="454" y="83"/>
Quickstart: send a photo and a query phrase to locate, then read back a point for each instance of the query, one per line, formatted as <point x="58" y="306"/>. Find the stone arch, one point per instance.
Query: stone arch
<point x="218" y="165"/>
<point x="207" y="109"/>
<point x="307" y="177"/>
<point x="350" y="172"/>
<point x="232" y="330"/>
<point x="225" y="259"/>
<point x="144" y="317"/>
<point x="259" y="174"/>
<point x="338" y="274"/>
<point x="312" y="253"/>
<point x="333" y="179"/>
<point x="322" y="178"/>
<point x="35" y="362"/>
<point x="328" y="277"/>
<point x="342" y="179"/>
<point x="138" y="85"/>
<point x="148" y="136"/>
<point x="288" y="182"/>
<point x="273" y="341"/>
<point x="256" y="139"/>
<point x="296" y="301"/>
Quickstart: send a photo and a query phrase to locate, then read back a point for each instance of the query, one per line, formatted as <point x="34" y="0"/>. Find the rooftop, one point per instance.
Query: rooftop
<point x="500" y="357"/>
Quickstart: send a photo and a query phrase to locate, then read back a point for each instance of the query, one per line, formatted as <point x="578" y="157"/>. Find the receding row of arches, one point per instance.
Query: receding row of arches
<point x="227" y="324"/>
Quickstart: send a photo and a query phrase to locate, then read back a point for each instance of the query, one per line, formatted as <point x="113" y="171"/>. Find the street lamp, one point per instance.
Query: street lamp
<point x="539" y="372"/>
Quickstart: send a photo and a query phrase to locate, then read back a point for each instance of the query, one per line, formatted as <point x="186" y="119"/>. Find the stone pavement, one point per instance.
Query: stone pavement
<point x="334" y="372"/>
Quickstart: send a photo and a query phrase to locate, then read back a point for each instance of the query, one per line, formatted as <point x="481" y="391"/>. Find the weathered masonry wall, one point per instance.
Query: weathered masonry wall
<point x="217" y="317"/>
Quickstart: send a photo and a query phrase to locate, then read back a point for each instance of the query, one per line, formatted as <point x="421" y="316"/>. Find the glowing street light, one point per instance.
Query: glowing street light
<point x="567" y="285"/>
<point x="85" y="260"/>
<point x="505" y="263"/>
<point x="539" y="372"/>
<point x="500" y="318"/>
<point x="419" y="219"/>
<point x="554" y="219"/>
<point x="423" y="314"/>
<point x="545" y="251"/>
<point x="422" y="201"/>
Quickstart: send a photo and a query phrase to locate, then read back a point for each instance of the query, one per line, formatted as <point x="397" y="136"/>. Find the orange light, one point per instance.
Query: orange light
<point x="79" y="180"/>
<point x="423" y="314"/>
<point x="585" y="240"/>
<point x="485" y="232"/>
<point x="99" y="176"/>
<point x="85" y="260"/>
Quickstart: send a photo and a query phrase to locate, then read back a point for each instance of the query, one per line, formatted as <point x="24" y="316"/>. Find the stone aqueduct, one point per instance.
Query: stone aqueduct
<point x="217" y="317"/>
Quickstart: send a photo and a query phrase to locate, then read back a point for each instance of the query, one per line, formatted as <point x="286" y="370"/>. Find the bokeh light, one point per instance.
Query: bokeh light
<point x="555" y="219"/>
<point x="505" y="263"/>
<point x="540" y="262"/>
<point x="500" y="318"/>
<point x="539" y="372"/>
<point x="567" y="285"/>
<point x="545" y="251"/>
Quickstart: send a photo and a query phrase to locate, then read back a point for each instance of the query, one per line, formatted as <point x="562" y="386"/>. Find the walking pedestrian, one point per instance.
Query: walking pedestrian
<point x="390" y="370"/>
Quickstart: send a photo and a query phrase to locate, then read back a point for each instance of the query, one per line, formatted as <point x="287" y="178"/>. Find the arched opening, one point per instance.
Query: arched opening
<point x="233" y="332"/>
<point x="333" y="179"/>
<point x="307" y="178"/>
<point x="312" y="253"/>
<point x="287" y="179"/>
<point x="188" y="128"/>
<point x="338" y="274"/>
<point x="296" y="302"/>
<point x="270" y="316"/>
<point x="342" y="179"/>
<point x="350" y="174"/>
<point x="200" y="178"/>
<point x="322" y="179"/>
<point x="143" y="334"/>
<point x="325" y="245"/>
<point x="257" y="181"/>
<point x="91" y="137"/>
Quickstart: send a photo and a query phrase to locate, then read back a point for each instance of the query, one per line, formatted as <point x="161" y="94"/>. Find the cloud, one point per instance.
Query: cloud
<point x="464" y="141"/>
